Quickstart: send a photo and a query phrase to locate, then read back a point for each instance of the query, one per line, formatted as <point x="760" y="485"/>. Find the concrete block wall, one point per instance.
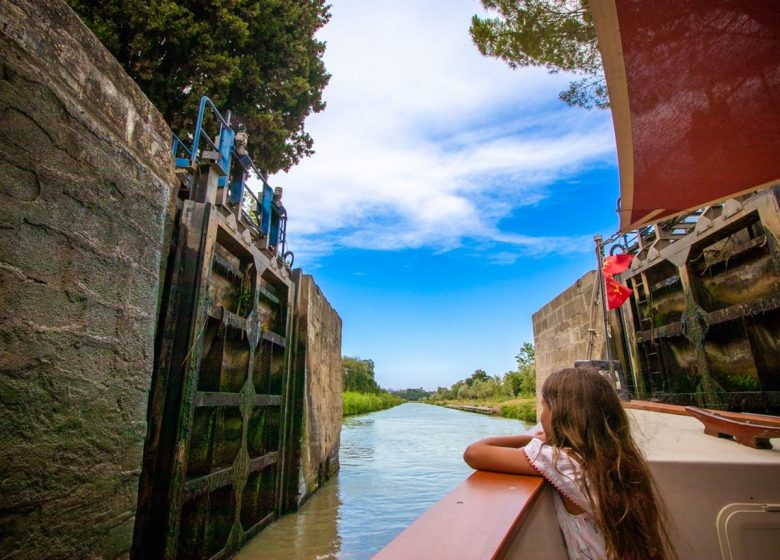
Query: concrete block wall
<point x="319" y="364"/>
<point x="86" y="199"/>
<point x="561" y="329"/>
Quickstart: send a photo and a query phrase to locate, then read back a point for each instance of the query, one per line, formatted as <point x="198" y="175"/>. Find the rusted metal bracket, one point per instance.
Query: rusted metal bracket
<point x="745" y="432"/>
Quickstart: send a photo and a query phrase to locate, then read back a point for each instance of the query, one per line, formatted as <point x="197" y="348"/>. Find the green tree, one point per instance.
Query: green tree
<point x="526" y="356"/>
<point x="513" y="382"/>
<point x="358" y="375"/>
<point x="554" y="34"/>
<point x="440" y="394"/>
<point x="526" y="370"/>
<point x="479" y="375"/>
<point x="258" y="58"/>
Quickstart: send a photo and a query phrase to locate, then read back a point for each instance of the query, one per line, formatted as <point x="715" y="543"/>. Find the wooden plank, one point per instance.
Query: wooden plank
<point x="762" y="305"/>
<point x="656" y="407"/>
<point x="648" y="335"/>
<point x="262" y="292"/>
<point x="268" y="400"/>
<point x="478" y="520"/>
<point x="263" y="461"/>
<point x="274" y="338"/>
<point x="207" y="398"/>
<point x="208" y="483"/>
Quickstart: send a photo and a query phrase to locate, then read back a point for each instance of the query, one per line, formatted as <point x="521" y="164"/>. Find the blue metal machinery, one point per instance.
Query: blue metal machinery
<point x="266" y="216"/>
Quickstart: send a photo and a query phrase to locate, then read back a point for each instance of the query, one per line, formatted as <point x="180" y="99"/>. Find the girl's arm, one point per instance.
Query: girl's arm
<point x="499" y="454"/>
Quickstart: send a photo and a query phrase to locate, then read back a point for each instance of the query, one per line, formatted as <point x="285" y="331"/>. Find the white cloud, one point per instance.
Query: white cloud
<point x="425" y="142"/>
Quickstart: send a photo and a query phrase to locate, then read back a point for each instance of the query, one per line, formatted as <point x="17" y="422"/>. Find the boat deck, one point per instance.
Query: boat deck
<point x="675" y="438"/>
<point x="722" y="497"/>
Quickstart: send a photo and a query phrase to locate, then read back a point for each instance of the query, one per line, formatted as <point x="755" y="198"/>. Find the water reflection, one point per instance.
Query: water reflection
<point x="395" y="464"/>
<point x="310" y="533"/>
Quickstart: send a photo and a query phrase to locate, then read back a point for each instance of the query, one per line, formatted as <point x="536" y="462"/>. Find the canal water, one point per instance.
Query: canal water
<point x="395" y="464"/>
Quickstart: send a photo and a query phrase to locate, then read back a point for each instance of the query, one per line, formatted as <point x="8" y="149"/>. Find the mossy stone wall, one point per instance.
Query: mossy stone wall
<point x="86" y="201"/>
<point x="318" y="366"/>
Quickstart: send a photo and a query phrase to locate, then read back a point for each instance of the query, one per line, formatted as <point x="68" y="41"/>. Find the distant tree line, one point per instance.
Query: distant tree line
<point x="418" y="394"/>
<point x="481" y="386"/>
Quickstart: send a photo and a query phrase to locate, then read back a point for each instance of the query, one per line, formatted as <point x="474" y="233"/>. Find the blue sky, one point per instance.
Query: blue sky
<point x="449" y="198"/>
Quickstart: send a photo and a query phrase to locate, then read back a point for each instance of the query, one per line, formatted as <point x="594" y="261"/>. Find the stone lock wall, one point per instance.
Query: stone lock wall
<point x="318" y="365"/>
<point x="87" y="204"/>
<point x="86" y="200"/>
<point x="561" y="329"/>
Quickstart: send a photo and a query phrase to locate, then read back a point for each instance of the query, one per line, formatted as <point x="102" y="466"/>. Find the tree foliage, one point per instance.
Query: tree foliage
<point x="526" y="356"/>
<point x="481" y="386"/>
<point x="410" y="394"/>
<point x="553" y="34"/>
<point x="479" y="376"/>
<point x="358" y="375"/>
<point x="258" y="58"/>
<point x="524" y="379"/>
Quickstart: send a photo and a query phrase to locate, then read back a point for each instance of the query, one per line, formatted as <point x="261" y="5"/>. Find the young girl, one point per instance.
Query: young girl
<point x="607" y="505"/>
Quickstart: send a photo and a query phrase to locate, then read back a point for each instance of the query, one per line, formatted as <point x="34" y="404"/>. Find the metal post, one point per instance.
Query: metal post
<point x="604" y="312"/>
<point x="196" y="136"/>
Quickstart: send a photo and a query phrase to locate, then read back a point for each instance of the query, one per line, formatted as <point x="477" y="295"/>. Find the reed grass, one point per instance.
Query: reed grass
<point x="521" y="409"/>
<point x="361" y="403"/>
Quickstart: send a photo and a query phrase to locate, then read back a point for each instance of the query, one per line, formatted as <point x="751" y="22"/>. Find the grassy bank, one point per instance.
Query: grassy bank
<point x="520" y="408"/>
<point x="523" y="408"/>
<point x="361" y="403"/>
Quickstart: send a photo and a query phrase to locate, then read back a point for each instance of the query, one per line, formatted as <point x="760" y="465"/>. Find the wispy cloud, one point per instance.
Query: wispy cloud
<point x="427" y="144"/>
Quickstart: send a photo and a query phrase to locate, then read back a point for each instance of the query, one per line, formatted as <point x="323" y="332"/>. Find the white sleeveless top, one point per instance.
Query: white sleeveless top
<point x="584" y="541"/>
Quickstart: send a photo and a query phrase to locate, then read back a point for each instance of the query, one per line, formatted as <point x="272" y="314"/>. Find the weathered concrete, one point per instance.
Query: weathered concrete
<point x="319" y="361"/>
<point x="561" y="329"/>
<point x="86" y="194"/>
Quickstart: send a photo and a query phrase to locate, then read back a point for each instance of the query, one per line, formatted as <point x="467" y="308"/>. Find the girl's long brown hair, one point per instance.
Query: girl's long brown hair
<point x="588" y="419"/>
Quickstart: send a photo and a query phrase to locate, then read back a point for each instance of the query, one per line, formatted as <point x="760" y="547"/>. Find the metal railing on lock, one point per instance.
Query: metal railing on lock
<point x="178" y="147"/>
<point x="274" y="227"/>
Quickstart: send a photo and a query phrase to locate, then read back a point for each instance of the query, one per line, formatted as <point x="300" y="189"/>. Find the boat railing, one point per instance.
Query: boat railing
<point x="480" y="519"/>
<point x="488" y="516"/>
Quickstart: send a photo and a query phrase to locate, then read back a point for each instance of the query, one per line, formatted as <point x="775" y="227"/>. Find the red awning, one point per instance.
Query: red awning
<point x="695" y="92"/>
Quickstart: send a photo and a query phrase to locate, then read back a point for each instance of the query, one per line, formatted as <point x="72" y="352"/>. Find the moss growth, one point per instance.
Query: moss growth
<point x="742" y="383"/>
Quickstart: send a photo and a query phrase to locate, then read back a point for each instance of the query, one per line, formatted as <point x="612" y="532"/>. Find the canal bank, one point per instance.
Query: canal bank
<point x="489" y="410"/>
<point x="520" y="408"/>
<point x="395" y="464"/>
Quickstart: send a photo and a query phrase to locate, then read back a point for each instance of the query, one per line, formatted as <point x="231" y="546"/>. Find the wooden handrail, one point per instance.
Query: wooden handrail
<point x="476" y="521"/>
